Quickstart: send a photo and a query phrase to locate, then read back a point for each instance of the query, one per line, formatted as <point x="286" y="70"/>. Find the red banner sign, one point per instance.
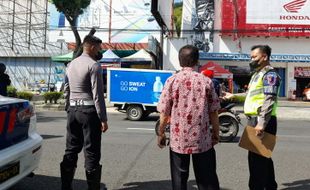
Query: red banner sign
<point x="302" y="72"/>
<point x="266" y="18"/>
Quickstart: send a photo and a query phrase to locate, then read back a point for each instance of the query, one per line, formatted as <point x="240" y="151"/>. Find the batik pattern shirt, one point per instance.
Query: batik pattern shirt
<point x="188" y="97"/>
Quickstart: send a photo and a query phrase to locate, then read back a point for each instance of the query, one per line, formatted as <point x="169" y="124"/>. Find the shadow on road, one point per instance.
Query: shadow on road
<point x="41" y="182"/>
<point x="45" y="137"/>
<point x="148" y="118"/>
<point x="300" y="185"/>
<point x="152" y="118"/>
<point x="235" y="140"/>
<point x="156" y="185"/>
<point x="43" y="117"/>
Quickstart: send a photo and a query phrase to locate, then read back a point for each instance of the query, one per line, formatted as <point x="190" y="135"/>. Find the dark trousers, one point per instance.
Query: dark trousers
<point x="83" y="130"/>
<point x="262" y="175"/>
<point x="204" y="168"/>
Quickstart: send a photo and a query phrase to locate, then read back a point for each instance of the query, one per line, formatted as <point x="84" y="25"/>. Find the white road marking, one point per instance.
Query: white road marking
<point x="294" y="136"/>
<point x="142" y="129"/>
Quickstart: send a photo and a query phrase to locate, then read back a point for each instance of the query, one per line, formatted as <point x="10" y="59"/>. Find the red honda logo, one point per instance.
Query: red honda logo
<point x="294" y="6"/>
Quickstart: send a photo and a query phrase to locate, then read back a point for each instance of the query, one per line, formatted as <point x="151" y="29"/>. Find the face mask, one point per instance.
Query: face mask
<point x="254" y="65"/>
<point x="98" y="56"/>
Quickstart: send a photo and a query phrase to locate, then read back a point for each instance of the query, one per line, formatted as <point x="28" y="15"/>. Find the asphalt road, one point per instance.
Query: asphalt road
<point x="132" y="161"/>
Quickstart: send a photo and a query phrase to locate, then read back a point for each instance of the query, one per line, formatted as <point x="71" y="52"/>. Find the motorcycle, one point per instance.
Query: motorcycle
<point x="229" y="121"/>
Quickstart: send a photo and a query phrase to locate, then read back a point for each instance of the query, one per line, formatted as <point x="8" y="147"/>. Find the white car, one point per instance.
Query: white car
<point x="20" y="144"/>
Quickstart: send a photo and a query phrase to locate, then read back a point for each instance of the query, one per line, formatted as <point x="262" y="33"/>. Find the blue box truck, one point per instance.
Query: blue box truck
<point x="135" y="92"/>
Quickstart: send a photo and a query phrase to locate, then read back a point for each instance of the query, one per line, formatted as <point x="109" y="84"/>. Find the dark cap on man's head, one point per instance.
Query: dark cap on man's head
<point x="93" y="40"/>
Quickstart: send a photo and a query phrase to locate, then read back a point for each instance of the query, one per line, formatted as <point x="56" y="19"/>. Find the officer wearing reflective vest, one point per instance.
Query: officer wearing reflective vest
<point x="260" y="108"/>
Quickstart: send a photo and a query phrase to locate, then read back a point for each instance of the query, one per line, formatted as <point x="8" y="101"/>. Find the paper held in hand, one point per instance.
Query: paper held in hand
<point x="262" y="146"/>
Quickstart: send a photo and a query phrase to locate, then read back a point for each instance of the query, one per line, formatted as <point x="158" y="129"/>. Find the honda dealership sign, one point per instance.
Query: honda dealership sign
<point x="266" y="18"/>
<point x="278" y="12"/>
<point x="294" y="6"/>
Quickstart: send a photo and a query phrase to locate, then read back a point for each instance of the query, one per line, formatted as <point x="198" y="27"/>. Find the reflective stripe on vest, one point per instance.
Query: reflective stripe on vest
<point x="255" y="97"/>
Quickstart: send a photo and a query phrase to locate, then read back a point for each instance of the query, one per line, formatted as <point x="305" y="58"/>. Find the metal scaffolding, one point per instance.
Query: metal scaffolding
<point x="23" y="29"/>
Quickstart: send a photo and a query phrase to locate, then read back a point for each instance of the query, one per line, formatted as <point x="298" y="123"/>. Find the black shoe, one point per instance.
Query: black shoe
<point x="93" y="178"/>
<point x="67" y="174"/>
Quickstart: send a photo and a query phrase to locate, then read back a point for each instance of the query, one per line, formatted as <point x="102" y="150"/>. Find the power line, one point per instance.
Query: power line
<point x="195" y="31"/>
<point x="39" y="26"/>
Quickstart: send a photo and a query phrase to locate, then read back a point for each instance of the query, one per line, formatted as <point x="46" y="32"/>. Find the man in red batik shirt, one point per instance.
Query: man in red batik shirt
<point x="190" y="101"/>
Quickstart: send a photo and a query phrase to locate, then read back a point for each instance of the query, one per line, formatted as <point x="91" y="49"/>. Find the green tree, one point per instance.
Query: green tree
<point x="72" y="9"/>
<point x="177" y="12"/>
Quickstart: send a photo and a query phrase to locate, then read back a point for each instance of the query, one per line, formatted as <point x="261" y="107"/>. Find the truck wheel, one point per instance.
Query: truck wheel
<point x="134" y="112"/>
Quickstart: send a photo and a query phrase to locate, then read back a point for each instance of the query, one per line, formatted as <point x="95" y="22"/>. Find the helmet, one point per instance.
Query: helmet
<point x="2" y="68"/>
<point x="208" y="73"/>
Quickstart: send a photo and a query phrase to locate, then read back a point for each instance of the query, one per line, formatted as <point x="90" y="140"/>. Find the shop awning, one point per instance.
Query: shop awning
<point x="109" y="56"/>
<point x="219" y="71"/>
<point x="63" y="58"/>
<point x="141" y="55"/>
<point x="124" y="53"/>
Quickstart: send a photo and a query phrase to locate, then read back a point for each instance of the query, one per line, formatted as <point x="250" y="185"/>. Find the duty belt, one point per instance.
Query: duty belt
<point x="81" y="103"/>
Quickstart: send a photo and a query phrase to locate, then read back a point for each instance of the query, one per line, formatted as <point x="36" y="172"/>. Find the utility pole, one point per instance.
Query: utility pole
<point x="110" y="21"/>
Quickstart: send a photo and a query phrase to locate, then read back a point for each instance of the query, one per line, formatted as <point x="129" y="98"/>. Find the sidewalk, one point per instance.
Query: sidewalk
<point x="283" y="102"/>
<point x="299" y="110"/>
<point x="295" y="110"/>
<point x="286" y="110"/>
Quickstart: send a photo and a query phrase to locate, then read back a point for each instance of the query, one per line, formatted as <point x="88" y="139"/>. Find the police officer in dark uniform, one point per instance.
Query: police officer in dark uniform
<point x="87" y="117"/>
<point x="4" y="80"/>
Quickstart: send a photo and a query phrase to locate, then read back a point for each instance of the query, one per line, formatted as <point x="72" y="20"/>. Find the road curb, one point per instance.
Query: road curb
<point x="287" y="109"/>
<point x="49" y="107"/>
<point x="61" y="107"/>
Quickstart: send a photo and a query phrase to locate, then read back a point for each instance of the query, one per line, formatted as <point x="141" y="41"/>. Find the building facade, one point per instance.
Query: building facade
<point x="31" y="32"/>
<point x="240" y="24"/>
<point x="24" y="45"/>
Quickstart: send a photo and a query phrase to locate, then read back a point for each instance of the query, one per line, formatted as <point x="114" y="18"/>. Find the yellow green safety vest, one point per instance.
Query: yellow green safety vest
<point x="255" y="96"/>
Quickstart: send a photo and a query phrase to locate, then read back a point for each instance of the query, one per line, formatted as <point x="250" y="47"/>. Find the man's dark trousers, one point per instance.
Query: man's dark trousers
<point x="262" y="175"/>
<point x="204" y="168"/>
<point x="83" y="129"/>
